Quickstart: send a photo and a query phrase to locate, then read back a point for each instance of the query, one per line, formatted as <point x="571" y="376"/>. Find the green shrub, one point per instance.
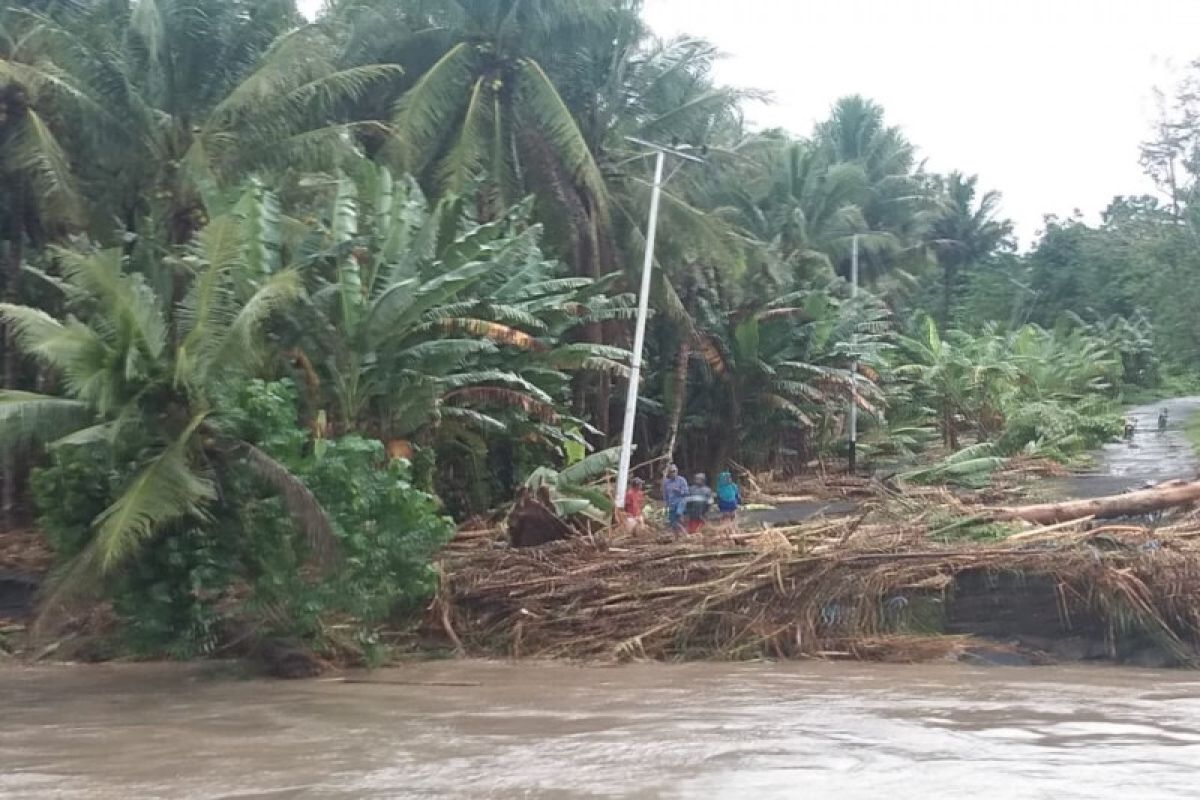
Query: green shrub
<point x="174" y="598"/>
<point x="75" y="485"/>
<point x="166" y="599"/>
<point x="388" y="530"/>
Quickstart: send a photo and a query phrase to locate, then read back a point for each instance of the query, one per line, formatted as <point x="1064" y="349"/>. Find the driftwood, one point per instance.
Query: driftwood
<point x="1130" y="504"/>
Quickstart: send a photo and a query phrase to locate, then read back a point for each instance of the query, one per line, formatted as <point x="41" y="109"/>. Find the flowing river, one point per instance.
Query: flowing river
<point x="712" y="730"/>
<point x="487" y="730"/>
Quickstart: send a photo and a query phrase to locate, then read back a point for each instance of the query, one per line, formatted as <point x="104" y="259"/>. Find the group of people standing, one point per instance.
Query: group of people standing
<point x="687" y="505"/>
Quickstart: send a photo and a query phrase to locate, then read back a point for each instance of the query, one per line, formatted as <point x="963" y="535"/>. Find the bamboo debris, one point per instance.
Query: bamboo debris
<point x="804" y="591"/>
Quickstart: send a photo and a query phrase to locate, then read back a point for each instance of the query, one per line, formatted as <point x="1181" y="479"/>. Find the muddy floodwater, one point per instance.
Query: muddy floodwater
<point x="485" y="730"/>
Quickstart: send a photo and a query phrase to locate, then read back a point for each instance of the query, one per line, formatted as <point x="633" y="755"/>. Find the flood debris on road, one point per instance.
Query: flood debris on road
<point x="886" y="584"/>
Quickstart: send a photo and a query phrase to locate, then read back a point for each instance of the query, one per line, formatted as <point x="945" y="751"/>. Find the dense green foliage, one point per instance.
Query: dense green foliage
<point x="243" y="562"/>
<point x="281" y="293"/>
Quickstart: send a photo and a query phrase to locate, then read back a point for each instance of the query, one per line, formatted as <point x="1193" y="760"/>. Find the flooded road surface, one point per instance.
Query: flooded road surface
<point x="1148" y="456"/>
<point x="481" y="730"/>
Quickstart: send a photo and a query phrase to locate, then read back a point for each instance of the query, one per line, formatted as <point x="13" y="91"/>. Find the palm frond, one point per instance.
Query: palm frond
<point x="241" y="343"/>
<point x="27" y="418"/>
<point x="127" y="301"/>
<point x="466" y="158"/>
<point x="86" y="361"/>
<point x="219" y="246"/>
<point x="544" y="111"/>
<point x="431" y="107"/>
<point x="165" y="491"/>
<point x="33" y="151"/>
<point x="309" y="516"/>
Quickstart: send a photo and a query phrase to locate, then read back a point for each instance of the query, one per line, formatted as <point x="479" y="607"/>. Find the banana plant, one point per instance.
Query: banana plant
<point x="424" y="316"/>
<point x="570" y="491"/>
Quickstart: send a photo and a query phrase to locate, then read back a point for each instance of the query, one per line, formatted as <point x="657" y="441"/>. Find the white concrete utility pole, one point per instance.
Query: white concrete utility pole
<point x="661" y="153"/>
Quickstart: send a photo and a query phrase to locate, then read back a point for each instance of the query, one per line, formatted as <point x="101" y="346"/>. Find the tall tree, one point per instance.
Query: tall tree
<point x="184" y="97"/>
<point x="38" y="193"/>
<point x="966" y="230"/>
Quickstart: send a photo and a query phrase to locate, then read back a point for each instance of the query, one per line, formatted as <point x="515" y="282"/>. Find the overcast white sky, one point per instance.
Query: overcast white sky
<point x="1046" y="99"/>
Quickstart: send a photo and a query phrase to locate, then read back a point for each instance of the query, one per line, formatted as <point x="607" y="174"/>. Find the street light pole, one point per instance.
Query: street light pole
<point x="639" y="331"/>
<point x="639" y="334"/>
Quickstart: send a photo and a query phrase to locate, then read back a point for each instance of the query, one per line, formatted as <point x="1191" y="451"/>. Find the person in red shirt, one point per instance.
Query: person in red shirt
<point x="635" y="502"/>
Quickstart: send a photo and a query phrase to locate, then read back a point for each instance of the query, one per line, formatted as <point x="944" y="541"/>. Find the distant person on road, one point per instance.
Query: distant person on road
<point x="1162" y="420"/>
<point x="699" y="499"/>
<point x="674" y="490"/>
<point x="729" y="497"/>
<point x="1130" y="428"/>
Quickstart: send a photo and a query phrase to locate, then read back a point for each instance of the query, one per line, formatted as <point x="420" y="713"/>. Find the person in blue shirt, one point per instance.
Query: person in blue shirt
<point x="674" y="490"/>
<point x="729" y="497"/>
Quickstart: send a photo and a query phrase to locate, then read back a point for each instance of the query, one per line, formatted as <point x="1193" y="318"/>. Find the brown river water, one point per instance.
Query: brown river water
<point x="490" y="730"/>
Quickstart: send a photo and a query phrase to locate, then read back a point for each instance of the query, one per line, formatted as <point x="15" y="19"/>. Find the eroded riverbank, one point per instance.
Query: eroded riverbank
<point x="490" y="730"/>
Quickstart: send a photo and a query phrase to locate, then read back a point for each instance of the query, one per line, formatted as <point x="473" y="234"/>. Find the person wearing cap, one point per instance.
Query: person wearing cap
<point x="674" y="490"/>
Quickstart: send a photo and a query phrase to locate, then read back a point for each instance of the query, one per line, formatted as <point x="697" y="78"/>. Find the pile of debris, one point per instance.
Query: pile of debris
<point x="889" y="584"/>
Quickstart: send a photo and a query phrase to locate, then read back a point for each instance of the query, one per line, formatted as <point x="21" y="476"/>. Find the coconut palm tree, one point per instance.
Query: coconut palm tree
<point x="142" y="379"/>
<point x="38" y="196"/>
<point x="184" y="97"/>
<point x="965" y="230"/>
<point x="895" y="203"/>
<point x="488" y="106"/>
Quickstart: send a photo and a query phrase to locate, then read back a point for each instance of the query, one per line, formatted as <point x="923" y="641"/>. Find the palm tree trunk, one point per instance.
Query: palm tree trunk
<point x="949" y="276"/>
<point x="681" y="371"/>
<point x="950" y="434"/>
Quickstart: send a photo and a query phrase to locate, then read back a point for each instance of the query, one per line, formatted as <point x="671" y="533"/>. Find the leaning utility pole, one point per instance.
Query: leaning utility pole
<point x="639" y="331"/>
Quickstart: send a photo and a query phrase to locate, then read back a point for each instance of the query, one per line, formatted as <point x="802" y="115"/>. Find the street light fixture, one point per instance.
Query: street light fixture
<point x="639" y="335"/>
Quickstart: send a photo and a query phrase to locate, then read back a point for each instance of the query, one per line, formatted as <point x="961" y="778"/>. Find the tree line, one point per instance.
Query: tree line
<point x="249" y="258"/>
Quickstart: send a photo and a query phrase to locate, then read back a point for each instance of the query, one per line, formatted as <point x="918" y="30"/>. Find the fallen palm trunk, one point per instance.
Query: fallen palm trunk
<point x="1131" y="504"/>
